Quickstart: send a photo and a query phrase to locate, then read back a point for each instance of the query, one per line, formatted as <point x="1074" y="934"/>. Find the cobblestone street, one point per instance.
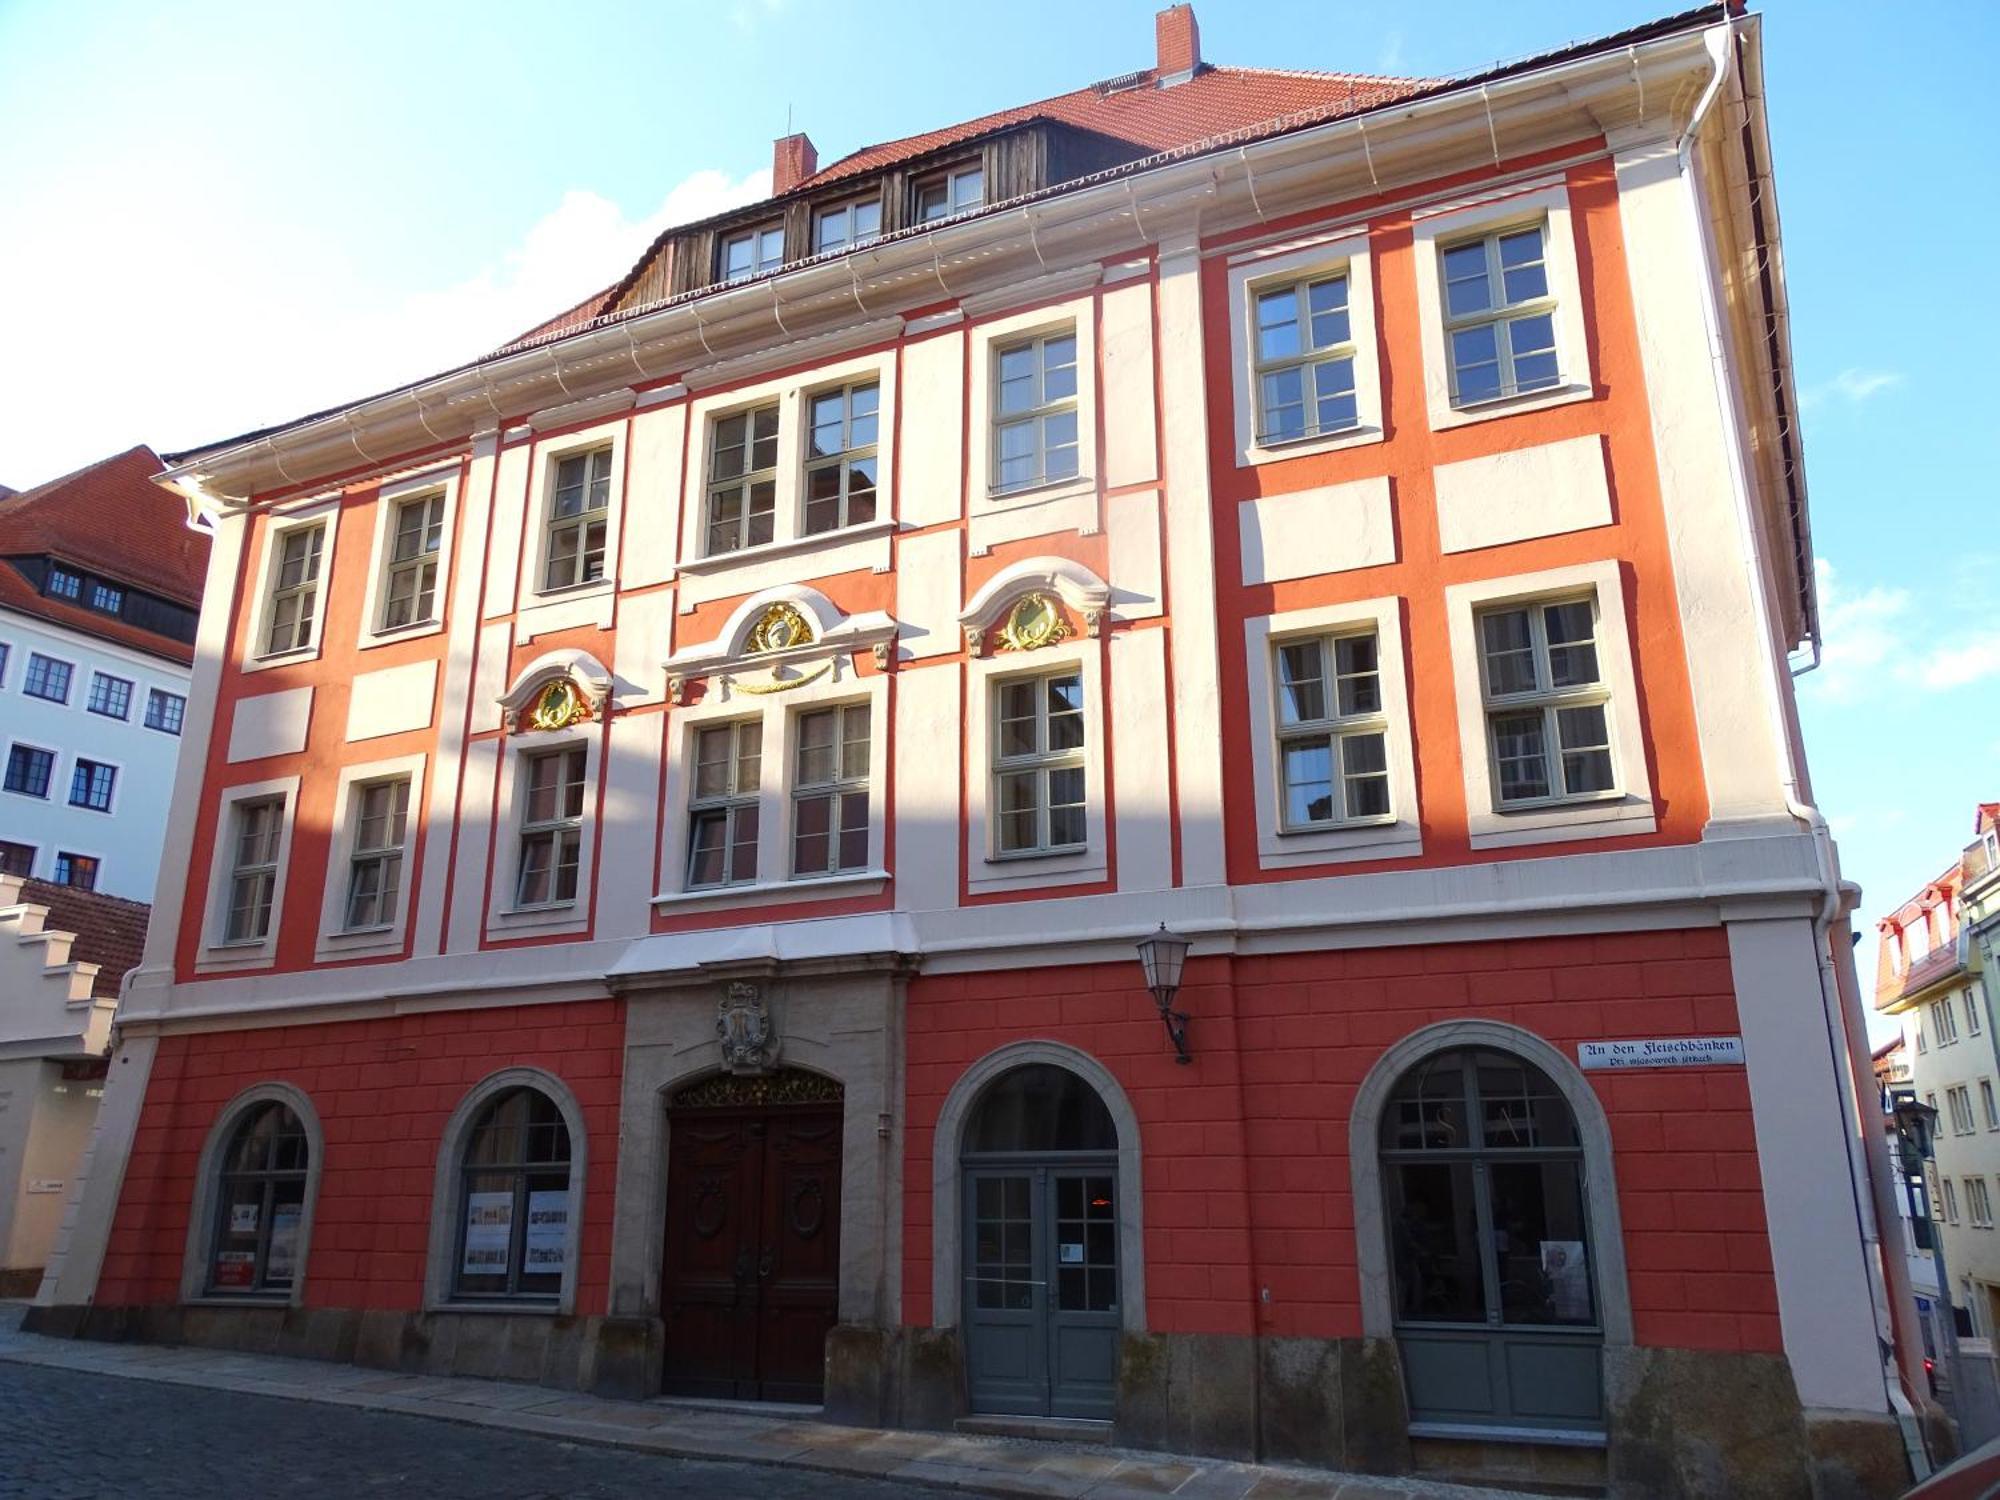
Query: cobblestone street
<point x="67" y="1435"/>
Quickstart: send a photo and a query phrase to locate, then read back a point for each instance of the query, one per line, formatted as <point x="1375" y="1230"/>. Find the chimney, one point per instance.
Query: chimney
<point x="1179" y="40"/>
<point x="793" y="160"/>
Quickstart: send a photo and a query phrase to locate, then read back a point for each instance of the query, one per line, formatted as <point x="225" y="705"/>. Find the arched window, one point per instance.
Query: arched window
<point x="260" y="1205"/>
<point x="1040" y="1107"/>
<point x="514" y="1201"/>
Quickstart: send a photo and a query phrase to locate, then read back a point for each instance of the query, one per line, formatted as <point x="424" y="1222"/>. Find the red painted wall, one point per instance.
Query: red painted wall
<point x="384" y="1090"/>
<point x="1244" y="1153"/>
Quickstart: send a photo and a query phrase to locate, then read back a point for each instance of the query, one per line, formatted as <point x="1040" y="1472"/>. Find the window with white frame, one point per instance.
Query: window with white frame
<point x="1978" y="1206"/>
<point x="1548" y="732"/>
<point x="1923" y="1043"/>
<point x="16" y="858"/>
<point x="165" y="711"/>
<point x="1034" y="412"/>
<point x="751" y="252"/>
<point x="842" y="225"/>
<point x="1972" y="1020"/>
<point x="6" y="652"/>
<point x="1945" y="1201"/>
<point x="410" y="572"/>
<point x="1038" y="764"/>
<point x="951" y="192"/>
<point x="1988" y="1105"/>
<point x="1958" y="1098"/>
<point x="258" y="826"/>
<point x="830" y="790"/>
<point x="1499" y="315"/>
<point x="551" y="826"/>
<point x="381" y="812"/>
<point x="1305" y="360"/>
<point x="47" y="677"/>
<point x="1944" y="1025"/>
<point x="110" y="696"/>
<point x="841" y="428"/>
<point x="742" y="479"/>
<point x="579" y="518"/>
<point x="91" y="783"/>
<point x="29" y="770"/>
<point x="1332" y="732"/>
<point x="292" y="606"/>
<point x="723" y="811"/>
<point x="78" y="870"/>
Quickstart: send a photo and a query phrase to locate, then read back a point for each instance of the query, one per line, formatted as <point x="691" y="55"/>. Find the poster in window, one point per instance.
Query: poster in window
<point x="548" y="1233"/>
<point x="284" y="1249"/>
<point x="243" y="1218"/>
<point x="489" y="1230"/>
<point x="1566" y="1269"/>
<point x="236" y="1268"/>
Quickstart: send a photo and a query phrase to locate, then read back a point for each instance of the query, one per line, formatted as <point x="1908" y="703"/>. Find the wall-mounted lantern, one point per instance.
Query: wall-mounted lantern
<point x="1161" y="955"/>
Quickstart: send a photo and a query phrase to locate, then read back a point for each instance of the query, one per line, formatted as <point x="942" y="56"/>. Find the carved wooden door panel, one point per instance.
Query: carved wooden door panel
<point x="798" y="1266"/>
<point x="715" y="1162"/>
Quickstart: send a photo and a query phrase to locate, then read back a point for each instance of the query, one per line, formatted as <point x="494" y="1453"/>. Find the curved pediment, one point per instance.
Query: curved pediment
<point x="1021" y="602"/>
<point x="790" y="622"/>
<point x="556" y="690"/>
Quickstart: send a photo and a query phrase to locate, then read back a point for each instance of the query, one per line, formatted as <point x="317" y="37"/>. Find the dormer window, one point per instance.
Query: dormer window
<point x="64" y="584"/>
<point x="843" y="225"/>
<point x="952" y="192"/>
<point x="752" y="252"/>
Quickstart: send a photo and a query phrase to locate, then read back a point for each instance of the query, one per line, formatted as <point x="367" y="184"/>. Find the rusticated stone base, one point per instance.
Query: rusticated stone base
<point x="1856" y="1456"/>
<point x="1689" y="1422"/>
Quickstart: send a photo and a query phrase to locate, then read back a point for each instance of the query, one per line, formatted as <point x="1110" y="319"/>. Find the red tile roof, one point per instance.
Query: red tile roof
<point x="110" y="519"/>
<point x="110" y="931"/>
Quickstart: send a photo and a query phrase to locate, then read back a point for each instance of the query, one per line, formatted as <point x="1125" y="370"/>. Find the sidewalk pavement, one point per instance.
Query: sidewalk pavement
<point x="789" y="1437"/>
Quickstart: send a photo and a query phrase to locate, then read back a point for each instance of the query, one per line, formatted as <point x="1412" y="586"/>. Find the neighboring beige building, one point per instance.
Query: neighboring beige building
<point x="62" y="954"/>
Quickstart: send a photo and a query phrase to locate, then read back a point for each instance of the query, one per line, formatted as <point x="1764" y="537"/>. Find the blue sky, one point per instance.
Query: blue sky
<point x="221" y="214"/>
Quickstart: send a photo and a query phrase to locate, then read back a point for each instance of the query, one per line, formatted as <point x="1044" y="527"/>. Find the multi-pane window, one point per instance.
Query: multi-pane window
<point x="1332" y="734"/>
<point x="1972" y="1021"/>
<point x="260" y="1205"/>
<point x="1547" y="720"/>
<point x="1499" y="317"/>
<point x="1038" y="768"/>
<point x="722" y="813"/>
<point x="830" y="791"/>
<point x="29" y="770"/>
<point x="854" y="222"/>
<point x="1305" y="360"/>
<point x="950" y="193"/>
<point x="110" y="696"/>
<point x="1923" y="1042"/>
<point x="165" y="711"/>
<point x="294" y="601"/>
<point x="551" y="826"/>
<point x="742" y="479"/>
<point x="1958" y="1098"/>
<point x="107" y="597"/>
<point x="63" y="584"/>
<point x="1988" y="1105"/>
<point x="91" y="784"/>
<point x="1944" y="1025"/>
<point x="1978" y="1206"/>
<point x="258" y="827"/>
<point x="375" y="858"/>
<point x="840" y="457"/>
<point x="416" y="535"/>
<point x="1950" y="1200"/>
<point x="6" y="651"/>
<point x="579" y="512"/>
<point x="47" y="678"/>
<point x="1034" y="412"/>
<point x="514" y="1231"/>
<point x="16" y="859"/>
<point x="78" y="870"/>
<point x="752" y="252"/>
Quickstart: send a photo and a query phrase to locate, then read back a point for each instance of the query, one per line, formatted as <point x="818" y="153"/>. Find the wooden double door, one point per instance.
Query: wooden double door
<point x="752" y="1276"/>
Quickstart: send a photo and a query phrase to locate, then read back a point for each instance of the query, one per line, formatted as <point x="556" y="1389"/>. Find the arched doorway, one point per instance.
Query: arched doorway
<point x="1497" y="1304"/>
<point x="751" y="1282"/>
<point x="1041" y="1306"/>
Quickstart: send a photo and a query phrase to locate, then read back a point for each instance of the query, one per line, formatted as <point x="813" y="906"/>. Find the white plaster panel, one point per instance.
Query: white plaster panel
<point x="489" y="676"/>
<point x="652" y="494"/>
<point x="933" y="429"/>
<point x="1132" y="522"/>
<point x="392" y="700"/>
<point x="630" y="824"/>
<point x="1012" y="522"/>
<point x="1545" y="490"/>
<point x="1144" y="796"/>
<point x="928" y="590"/>
<point x="593" y="606"/>
<point x="475" y="824"/>
<point x="1131" y="443"/>
<point x="645" y="637"/>
<point x="1333" y="529"/>
<point x="839" y="553"/>
<point x="928" y="717"/>
<point x="270" y="724"/>
<point x="503" y="561"/>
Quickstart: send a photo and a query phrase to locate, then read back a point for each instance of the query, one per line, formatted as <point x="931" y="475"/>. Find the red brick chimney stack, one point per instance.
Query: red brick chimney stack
<point x="793" y="160"/>
<point x="1179" y="40"/>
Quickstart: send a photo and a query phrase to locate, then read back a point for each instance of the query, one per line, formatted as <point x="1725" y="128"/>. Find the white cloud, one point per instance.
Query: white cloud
<point x="1390" y="58"/>
<point x="1861" y="634"/>
<point x="235" y="318"/>
<point x="1955" y="666"/>
<point x="1852" y="385"/>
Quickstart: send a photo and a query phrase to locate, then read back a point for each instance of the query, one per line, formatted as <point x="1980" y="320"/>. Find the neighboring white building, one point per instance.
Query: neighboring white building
<point x="100" y="589"/>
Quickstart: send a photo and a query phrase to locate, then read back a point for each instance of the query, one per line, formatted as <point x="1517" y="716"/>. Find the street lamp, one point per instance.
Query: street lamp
<point x="1161" y="955"/>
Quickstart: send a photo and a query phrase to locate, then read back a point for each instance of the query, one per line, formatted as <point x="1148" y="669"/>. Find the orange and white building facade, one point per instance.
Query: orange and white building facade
<point x="1355" y="523"/>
